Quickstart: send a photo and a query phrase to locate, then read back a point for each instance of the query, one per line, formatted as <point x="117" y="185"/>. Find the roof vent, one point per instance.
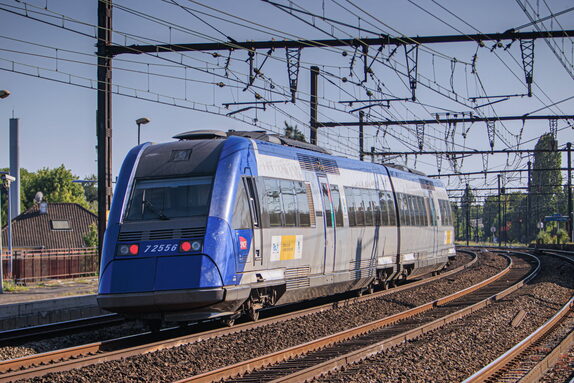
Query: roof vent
<point x="201" y="135"/>
<point x="44" y="208"/>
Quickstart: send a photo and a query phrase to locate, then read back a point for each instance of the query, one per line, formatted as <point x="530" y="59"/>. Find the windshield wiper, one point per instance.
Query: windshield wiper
<point x="152" y="208"/>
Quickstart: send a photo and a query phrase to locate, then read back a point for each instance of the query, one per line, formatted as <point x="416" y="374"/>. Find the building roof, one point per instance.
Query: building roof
<point x="62" y="227"/>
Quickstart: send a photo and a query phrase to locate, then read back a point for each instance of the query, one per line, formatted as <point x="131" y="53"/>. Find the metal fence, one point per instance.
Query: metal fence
<point x="36" y="265"/>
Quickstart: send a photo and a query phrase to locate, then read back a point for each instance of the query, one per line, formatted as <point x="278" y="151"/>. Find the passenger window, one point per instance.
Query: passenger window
<point x="336" y="196"/>
<point x="350" y="196"/>
<point x="404" y="209"/>
<point x="366" y="200"/>
<point x="376" y="207"/>
<point x="360" y="208"/>
<point x="302" y="204"/>
<point x="273" y="202"/>
<point x="384" y="209"/>
<point x="392" y="209"/>
<point x="241" y="215"/>
<point x="289" y="202"/>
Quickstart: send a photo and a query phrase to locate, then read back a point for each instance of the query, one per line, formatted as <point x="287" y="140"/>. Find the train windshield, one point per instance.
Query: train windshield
<point x="169" y="198"/>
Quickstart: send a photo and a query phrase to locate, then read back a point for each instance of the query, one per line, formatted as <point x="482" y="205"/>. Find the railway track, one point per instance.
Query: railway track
<point x="532" y="357"/>
<point x="80" y="356"/>
<point x="34" y="333"/>
<point x="332" y="352"/>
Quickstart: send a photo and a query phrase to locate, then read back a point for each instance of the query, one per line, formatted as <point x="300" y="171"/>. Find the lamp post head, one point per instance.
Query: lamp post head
<point x="4" y="93"/>
<point x="142" y="121"/>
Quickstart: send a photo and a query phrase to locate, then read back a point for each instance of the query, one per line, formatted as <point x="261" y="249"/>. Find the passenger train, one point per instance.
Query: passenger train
<point x="220" y="224"/>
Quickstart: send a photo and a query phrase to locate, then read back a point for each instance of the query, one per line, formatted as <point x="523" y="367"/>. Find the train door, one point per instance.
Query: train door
<point x="434" y="223"/>
<point x="328" y="224"/>
<point x="251" y="189"/>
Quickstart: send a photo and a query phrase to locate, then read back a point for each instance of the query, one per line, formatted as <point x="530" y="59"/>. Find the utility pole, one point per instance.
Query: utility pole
<point x="361" y="137"/>
<point x="499" y="213"/>
<point x="467" y="200"/>
<point x="569" y="185"/>
<point x="104" y="117"/>
<point x="528" y="202"/>
<point x="314" y="104"/>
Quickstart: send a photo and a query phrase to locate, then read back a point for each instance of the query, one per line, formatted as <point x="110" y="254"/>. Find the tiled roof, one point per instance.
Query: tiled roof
<point x="34" y="230"/>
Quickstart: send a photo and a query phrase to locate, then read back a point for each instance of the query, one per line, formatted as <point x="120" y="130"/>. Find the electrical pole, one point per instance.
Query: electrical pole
<point x="499" y="213"/>
<point x="314" y="104"/>
<point x="569" y="185"/>
<point x="528" y="203"/>
<point x="467" y="200"/>
<point x="104" y="117"/>
<point x="361" y="136"/>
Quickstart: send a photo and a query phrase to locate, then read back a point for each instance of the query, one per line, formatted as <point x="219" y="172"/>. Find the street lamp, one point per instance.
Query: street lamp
<point x="4" y="93"/>
<point x="141" y="121"/>
<point x="6" y="179"/>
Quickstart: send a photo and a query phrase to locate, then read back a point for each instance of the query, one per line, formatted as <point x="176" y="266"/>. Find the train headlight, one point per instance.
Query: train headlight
<point x="187" y="246"/>
<point x="124" y="250"/>
<point x="134" y="249"/>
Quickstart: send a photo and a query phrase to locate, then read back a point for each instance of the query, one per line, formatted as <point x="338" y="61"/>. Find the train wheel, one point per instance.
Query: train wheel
<point x="229" y="322"/>
<point x="371" y="288"/>
<point x="253" y="314"/>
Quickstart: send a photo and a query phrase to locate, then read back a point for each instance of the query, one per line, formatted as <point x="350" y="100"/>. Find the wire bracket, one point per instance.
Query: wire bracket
<point x="527" y="50"/>
<point x="491" y="130"/>
<point x="412" y="58"/>
<point x="293" y="62"/>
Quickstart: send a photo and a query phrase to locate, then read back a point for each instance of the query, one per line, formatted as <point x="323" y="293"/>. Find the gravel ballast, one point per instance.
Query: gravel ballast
<point x="457" y="350"/>
<point x="187" y="360"/>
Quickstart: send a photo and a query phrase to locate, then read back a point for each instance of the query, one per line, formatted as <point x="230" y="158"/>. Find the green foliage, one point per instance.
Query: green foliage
<point x="293" y="132"/>
<point x="56" y="185"/>
<point x="91" y="237"/>
<point x="545" y="193"/>
<point x="551" y="234"/>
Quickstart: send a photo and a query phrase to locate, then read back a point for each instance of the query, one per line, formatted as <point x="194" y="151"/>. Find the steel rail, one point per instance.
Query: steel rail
<point x="114" y="349"/>
<point x="498" y="365"/>
<point x="20" y="335"/>
<point x="309" y="373"/>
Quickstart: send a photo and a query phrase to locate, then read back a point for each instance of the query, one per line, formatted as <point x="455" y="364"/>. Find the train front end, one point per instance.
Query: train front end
<point x="168" y="252"/>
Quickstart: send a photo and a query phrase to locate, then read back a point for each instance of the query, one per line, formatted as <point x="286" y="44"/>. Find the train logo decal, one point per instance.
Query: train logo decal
<point x="285" y="247"/>
<point x="243" y="244"/>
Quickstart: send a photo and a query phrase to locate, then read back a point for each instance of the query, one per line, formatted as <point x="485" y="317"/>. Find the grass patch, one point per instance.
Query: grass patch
<point x="11" y="287"/>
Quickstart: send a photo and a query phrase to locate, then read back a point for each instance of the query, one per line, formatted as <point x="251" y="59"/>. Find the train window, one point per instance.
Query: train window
<point x="336" y="196"/>
<point x="368" y="206"/>
<point x="169" y="198"/>
<point x="302" y="204"/>
<point x="392" y="209"/>
<point x="273" y="201"/>
<point x="432" y="209"/>
<point x="249" y="183"/>
<point x="420" y="210"/>
<point x="289" y="200"/>
<point x="350" y="197"/>
<point x="384" y="207"/>
<point x="404" y="210"/>
<point x="360" y="208"/>
<point x="376" y="207"/>
<point x="241" y="215"/>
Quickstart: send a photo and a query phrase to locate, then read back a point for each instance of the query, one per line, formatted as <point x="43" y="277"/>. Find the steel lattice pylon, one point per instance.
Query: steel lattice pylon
<point x="412" y="58"/>
<point x="527" y="50"/>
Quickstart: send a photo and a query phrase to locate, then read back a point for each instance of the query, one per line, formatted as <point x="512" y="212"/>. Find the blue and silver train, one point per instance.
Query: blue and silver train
<point x="221" y="224"/>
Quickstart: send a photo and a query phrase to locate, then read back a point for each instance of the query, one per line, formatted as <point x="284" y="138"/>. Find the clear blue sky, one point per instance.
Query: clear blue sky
<point x="58" y="120"/>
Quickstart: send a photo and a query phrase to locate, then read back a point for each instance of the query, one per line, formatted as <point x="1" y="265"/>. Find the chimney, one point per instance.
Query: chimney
<point x="44" y="207"/>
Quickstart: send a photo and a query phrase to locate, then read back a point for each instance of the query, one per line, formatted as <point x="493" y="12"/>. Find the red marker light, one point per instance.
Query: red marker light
<point x="134" y="249"/>
<point x="185" y="246"/>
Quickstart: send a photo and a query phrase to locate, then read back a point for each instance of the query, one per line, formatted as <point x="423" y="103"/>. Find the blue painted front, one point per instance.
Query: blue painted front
<point x="215" y="267"/>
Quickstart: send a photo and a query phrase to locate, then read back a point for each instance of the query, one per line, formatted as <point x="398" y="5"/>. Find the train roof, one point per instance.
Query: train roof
<point x="289" y="145"/>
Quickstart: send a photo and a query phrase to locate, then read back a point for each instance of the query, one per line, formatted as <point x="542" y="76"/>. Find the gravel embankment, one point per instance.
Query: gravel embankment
<point x="457" y="350"/>
<point x="119" y="331"/>
<point x="187" y="360"/>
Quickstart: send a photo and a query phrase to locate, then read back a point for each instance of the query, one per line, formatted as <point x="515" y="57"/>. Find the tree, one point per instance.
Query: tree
<point x="56" y="185"/>
<point x="90" y="186"/>
<point x="291" y="131"/>
<point x="91" y="237"/>
<point x="545" y="192"/>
